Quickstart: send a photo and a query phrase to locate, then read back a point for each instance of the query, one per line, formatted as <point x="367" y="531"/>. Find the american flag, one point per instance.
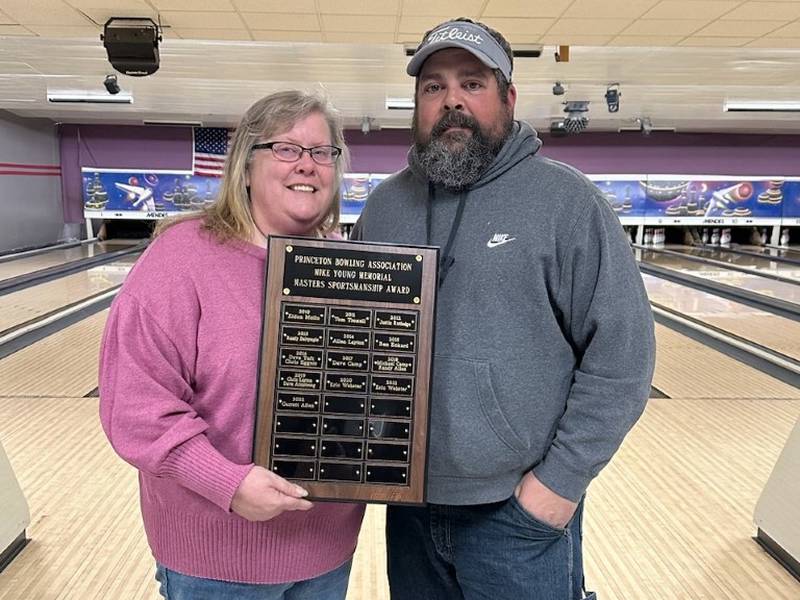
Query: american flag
<point x="210" y="149"/>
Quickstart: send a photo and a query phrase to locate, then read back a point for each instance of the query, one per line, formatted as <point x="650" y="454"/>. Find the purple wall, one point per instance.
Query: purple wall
<point x="385" y="152"/>
<point x="678" y="153"/>
<point x="378" y="151"/>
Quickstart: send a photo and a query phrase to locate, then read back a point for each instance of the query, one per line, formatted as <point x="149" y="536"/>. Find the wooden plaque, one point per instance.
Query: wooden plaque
<point x="345" y="370"/>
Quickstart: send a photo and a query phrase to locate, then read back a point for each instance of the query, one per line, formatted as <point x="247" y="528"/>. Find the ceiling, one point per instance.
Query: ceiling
<point x="676" y="61"/>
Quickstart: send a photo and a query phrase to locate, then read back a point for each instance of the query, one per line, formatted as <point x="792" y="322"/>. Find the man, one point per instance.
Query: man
<point x="544" y="336"/>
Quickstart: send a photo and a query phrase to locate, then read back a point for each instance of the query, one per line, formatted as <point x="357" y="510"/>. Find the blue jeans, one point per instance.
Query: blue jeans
<point x="487" y="551"/>
<point x="329" y="586"/>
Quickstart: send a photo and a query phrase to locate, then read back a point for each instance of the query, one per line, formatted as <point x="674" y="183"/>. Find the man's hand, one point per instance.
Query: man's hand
<point x="543" y="503"/>
<point x="263" y="495"/>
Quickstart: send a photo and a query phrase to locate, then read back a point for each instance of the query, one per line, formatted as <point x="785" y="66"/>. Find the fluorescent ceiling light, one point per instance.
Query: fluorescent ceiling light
<point x="399" y="103"/>
<point x="167" y="123"/>
<point x="518" y="51"/>
<point x="78" y="96"/>
<point x="760" y="106"/>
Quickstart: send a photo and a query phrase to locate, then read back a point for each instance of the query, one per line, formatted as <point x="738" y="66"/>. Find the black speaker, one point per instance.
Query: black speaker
<point x="132" y="45"/>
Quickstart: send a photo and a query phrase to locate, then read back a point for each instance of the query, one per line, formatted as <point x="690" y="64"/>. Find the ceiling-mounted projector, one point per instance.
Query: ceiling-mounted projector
<point x="132" y="45"/>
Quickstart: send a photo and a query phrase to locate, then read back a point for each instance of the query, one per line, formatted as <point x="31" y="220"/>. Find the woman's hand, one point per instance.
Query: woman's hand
<point x="263" y="495"/>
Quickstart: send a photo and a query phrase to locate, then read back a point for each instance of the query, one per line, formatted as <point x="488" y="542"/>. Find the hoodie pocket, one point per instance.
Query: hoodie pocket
<point x="470" y="434"/>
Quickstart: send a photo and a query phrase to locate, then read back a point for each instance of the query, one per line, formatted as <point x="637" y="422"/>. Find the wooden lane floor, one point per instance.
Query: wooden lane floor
<point x="30" y="303"/>
<point x="54" y="258"/>
<point x="686" y="368"/>
<point x="62" y="364"/>
<point x="672" y="512"/>
<point x="670" y="516"/>
<point x="782" y="290"/>
<point x="766" y="329"/>
<point x="87" y="540"/>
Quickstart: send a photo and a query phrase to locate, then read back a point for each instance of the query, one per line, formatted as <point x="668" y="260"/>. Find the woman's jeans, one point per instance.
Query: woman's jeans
<point x="489" y="551"/>
<point x="329" y="586"/>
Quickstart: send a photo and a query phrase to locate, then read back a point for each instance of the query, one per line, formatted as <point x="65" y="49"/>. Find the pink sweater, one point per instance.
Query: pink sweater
<point x="178" y="376"/>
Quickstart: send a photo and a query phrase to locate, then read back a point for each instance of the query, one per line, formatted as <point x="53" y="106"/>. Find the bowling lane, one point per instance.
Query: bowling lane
<point x="28" y="304"/>
<point x="769" y="288"/>
<point x="63" y="364"/>
<point x="766" y="329"/>
<point x="787" y="253"/>
<point x="54" y="258"/>
<point x="756" y="263"/>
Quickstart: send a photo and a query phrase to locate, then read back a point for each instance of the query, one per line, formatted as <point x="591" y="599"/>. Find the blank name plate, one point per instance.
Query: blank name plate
<point x="345" y="368"/>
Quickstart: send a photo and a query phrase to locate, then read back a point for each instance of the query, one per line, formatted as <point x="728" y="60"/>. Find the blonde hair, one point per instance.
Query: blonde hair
<point x="230" y="215"/>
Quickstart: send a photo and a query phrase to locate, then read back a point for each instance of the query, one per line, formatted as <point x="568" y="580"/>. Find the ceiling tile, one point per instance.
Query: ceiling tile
<point x="359" y="37"/>
<point x="138" y="5"/>
<point x="508" y="26"/>
<point x="275" y="6"/>
<point x="574" y="39"/>
<point x="716" y="41"/>
<point x="697" y="9"/>
<point x="419" y="25"/>
<point x="213" y="34"/>
<point x="525" y="8"/>
<point x="765" y="11"/>
<point x="14" y="30"/>
<point x="194" y="5"/>
<point x="56" y="31"/>
<point x="773" y="42"/>
<point x="359" y="7"/>
<point x="44" y="12"/>
<point x="101" y="15"/>
<point x="365" y="23"/>
<point x="202" y="20"/>
<point x="646" y="40"/>
<point x="281" y="22"/>
<point x="452" y="8"/>
<point x="750" y="29"/>
<point x="790" y="30"/>
<point x="609" y="9"/>
<point x="664" y="27"/>
<point x="516" y="39"/>
<point x="286" y="36"/>
<point x="589" y="26"/>
<point x="17" y="68"/>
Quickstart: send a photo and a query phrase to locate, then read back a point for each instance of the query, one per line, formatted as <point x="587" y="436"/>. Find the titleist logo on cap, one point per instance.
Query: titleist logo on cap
<point x="454" y="33"/>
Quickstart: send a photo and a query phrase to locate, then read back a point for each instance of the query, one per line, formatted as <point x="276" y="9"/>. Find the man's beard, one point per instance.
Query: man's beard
<point x="460" y="166"/>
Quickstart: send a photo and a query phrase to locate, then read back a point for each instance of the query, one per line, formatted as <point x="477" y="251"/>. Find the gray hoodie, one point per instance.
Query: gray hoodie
<point x="544" y="345"/>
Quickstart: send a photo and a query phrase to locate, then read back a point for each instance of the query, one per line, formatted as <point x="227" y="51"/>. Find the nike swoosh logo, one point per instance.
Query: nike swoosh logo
<point x="492" y="244"/>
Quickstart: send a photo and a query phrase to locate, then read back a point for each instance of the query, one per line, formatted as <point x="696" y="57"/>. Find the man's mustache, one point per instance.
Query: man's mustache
<point x="454" y="119"/>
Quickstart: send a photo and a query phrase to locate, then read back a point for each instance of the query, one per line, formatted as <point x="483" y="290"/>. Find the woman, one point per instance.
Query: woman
<point x="178" y="374"/>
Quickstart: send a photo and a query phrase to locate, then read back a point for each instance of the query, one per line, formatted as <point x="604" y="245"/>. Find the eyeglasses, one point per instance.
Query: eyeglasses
<point x="288" y="152"/>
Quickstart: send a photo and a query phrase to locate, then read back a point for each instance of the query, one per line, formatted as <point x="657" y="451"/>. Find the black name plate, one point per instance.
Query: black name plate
<point x="349" y="274"/>
<point x="340" y="382"/>
<point x="394" y="386"/>
<point x="304" y="336"/>
<point x="299" y="380"/>
<point x="298" y="402"/>
<point x="298" y="357"/>
<point x="347" y="361"/>
<point x="395" y="320"/>
<point x="345" y="368"/>
<point x="393" y="363"/>
<point x="350" y="318"/>
<point x="394" y="341"/>
<point x="303" y="314"/>
<point x="342" y="338"/>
